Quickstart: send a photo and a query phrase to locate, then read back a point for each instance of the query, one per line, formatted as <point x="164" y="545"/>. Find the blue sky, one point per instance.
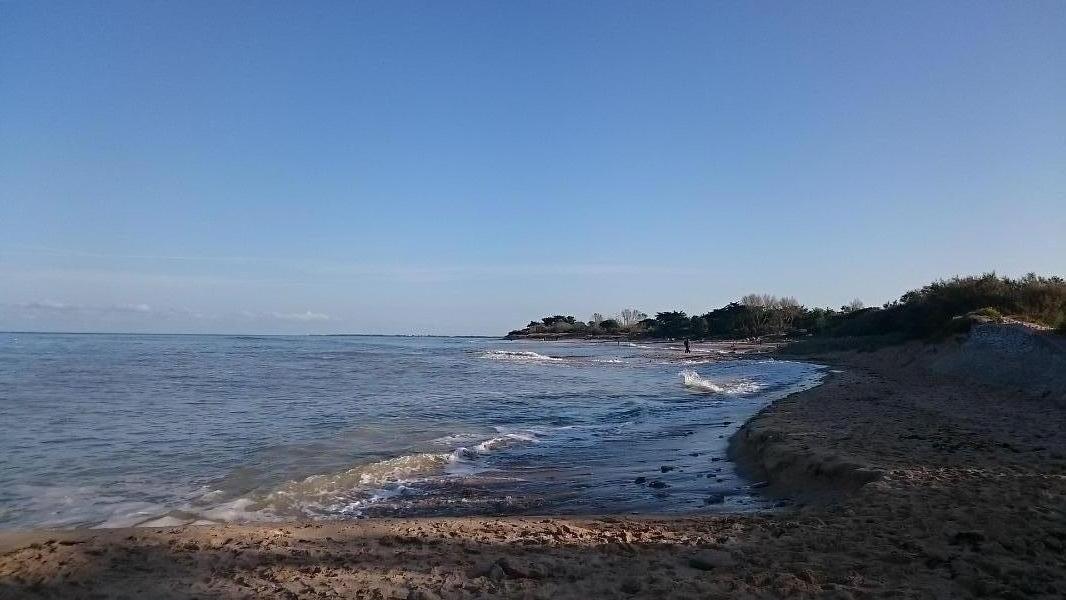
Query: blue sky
<point x="464" y="167"/>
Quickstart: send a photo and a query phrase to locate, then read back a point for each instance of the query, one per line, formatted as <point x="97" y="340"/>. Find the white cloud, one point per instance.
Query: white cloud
<point x="304" y="316"/>
<point x="53" y="306"/>
<point x="41" y="308"/>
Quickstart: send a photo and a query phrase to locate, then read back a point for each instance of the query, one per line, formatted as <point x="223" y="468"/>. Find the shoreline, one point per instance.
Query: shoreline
<point x="902" y="479"/>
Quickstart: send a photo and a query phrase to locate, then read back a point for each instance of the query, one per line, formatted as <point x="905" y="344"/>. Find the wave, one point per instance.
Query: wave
<point x="696" y="382"/>
<point x="350" y="492"/>
<point x="517" y="355"/>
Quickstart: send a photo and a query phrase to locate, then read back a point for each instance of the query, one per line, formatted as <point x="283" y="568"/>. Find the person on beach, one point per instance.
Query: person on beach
<point x="687" y="349"/>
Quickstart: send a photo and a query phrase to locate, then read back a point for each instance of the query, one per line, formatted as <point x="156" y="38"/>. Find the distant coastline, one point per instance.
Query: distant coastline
<point x="935" y="311"/>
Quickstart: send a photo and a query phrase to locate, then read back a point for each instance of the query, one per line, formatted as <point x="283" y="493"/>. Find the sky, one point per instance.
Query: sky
<point x="464" y="167"/>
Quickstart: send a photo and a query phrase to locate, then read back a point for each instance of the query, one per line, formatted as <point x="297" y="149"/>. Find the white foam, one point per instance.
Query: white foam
<point x="457" y="438"/>
<point x="129" y="514"/>
<point x="517" y="355"/>
<point x="696" y="382"/>
<point x="165" y="522"/>
<point x="350" y="492"/>
<point x="238" y="510"/>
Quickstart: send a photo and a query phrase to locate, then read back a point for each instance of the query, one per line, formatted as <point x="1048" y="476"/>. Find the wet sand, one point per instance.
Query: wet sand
<point x="900" y="483"/>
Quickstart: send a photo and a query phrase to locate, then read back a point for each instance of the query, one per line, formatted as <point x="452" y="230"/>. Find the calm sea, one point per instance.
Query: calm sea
<point x="119" y="430"/>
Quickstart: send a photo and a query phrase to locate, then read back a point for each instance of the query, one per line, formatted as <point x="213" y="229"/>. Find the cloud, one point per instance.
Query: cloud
<point x="304" y="316"/>
<point x="51" y="306"/>
<point x="42" y="308"/>
<point x="300" y="317"/>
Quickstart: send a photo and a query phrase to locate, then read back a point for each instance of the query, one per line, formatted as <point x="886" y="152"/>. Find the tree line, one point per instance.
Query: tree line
<point x="941" y="307"/>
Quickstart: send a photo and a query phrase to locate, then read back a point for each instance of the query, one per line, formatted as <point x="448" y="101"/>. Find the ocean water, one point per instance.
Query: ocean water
<point x="122" y="430"/>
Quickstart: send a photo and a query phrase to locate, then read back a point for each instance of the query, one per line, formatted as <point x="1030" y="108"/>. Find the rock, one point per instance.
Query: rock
<point x="658" y="485"/>
<point x="666" y="468"/>
<point x="714" y="499"/>
<point x="496" y="572"/>
<point x="515" y="571"/>
<point x="707" y="560"/>
<point x="640" y="480"/>
<point x="972" y="538"/>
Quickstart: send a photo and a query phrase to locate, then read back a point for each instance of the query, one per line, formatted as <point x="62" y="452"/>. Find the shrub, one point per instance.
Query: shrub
<point x="987" y="313"/>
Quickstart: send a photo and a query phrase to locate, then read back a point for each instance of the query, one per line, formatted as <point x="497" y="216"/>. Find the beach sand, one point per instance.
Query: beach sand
<point x="901" y="483"/>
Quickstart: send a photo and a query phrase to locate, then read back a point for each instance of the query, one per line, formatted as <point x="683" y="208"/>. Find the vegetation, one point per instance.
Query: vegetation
<point x="932" y="310"/>
<point x="940" y="308"/>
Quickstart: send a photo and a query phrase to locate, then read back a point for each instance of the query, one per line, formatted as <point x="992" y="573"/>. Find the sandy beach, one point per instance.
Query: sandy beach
<point x="896" y="479"/>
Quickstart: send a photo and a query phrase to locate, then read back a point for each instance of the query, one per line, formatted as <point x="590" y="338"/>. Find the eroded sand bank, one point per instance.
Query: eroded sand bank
<point x="904" y="483"/>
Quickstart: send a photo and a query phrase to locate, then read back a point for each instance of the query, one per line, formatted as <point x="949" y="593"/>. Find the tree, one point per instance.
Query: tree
<point x="853" y="306"/>
<point x="672" y="324"/>
<point x="632" y="316"/>
<point x="610" y="325"/>
<point x="760" y="300"/>
<point x="597" y="318"/>
<point x="647" y="324"/>
<point x="699" y="327"/>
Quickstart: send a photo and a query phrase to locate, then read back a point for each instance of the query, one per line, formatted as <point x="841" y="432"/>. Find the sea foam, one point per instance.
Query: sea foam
<point x="518" y="355"/>
<point x="694" y="381"/>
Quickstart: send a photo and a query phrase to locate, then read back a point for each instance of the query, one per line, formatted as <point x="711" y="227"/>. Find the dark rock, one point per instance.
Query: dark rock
<point x="714" y="499"/>
<point x="666" y="468"/>
<point x="708" y="560"/>
<point x="640" y="480"/>
<point x="516" y="571"/>
<point x="972" y="538"/>
<point x="496" y="572"/>
<point x="658" y="485"/>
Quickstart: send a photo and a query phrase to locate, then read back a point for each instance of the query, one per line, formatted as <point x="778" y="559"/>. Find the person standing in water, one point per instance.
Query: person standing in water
<point x="687" y="349"/>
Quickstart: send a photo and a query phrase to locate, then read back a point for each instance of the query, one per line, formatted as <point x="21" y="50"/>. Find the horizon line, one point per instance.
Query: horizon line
<point x="431" y="335"/>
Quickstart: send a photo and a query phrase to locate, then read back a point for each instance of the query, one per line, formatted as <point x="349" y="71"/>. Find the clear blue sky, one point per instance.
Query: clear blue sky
<point x="463" y="167"/>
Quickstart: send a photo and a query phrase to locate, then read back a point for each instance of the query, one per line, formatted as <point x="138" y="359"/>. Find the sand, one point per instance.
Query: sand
<point x="902" y="482"/>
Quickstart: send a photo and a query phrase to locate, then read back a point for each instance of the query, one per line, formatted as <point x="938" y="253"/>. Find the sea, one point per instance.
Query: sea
<point x="155" y="430"/>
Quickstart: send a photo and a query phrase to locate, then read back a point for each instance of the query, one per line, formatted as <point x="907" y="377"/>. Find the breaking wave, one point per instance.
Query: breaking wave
<point x="349" y="492"/>
<point x="694" y="381"/>
<point x="516" y="355"/>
